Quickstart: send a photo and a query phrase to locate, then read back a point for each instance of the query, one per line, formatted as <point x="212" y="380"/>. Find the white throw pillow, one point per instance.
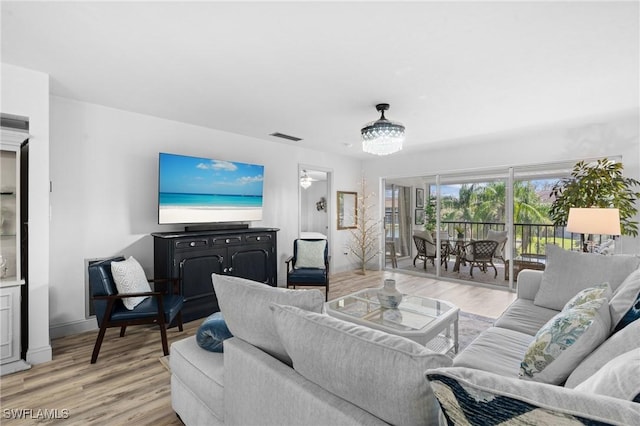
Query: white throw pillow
<point x="621" y="342"/>
<point x="588" y="294"/>
<point x="379" y="372"/>
<point x="624" y="299"/>
<point x="245" y="307"/>
<point x="619" y="378"/>
<point x="310" y="254"/>
<point x="130" y="278"/>
<point x="568" y="272"/>
<point x="563" y="342"/>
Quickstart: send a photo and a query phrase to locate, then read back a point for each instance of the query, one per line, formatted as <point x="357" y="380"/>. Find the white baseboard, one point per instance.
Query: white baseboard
<point x="71" y="328"/>
<point x="39" y="355"/>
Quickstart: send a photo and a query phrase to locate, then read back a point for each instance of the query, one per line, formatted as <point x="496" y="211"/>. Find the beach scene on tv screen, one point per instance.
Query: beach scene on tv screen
<point x="197" y="190"/>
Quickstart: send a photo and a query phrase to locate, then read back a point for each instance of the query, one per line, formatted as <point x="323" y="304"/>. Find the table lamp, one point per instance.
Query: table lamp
<point x="593" y="220"/>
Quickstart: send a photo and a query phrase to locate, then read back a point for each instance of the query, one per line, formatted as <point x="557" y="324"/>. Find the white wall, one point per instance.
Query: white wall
<point x="593" y="137"/>
<point x="104" y="172"/>
<point x="26" y="93"/>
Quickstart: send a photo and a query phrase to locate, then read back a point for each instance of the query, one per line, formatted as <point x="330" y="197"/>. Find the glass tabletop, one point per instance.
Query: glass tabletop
<point x="414" y="312"/>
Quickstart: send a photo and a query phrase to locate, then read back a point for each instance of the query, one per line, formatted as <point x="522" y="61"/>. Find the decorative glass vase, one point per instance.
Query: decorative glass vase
<point x="389" y="296"/>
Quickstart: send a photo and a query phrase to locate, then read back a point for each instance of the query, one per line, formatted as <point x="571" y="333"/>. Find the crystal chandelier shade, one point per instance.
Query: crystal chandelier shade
<point x="305" y="180"/>
<point x="382" y="137"/>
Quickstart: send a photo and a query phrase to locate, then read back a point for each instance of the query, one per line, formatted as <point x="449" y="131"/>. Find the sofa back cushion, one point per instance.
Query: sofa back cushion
<point x="245" y="306"/>
<point x="619" y="378"/>
<point x="378" y="372"/>
<point x="568" y="272"/>
<point x="621" y="342"/>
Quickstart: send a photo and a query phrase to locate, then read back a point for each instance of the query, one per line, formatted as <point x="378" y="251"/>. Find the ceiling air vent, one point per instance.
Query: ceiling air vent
<point x="283" y="136"/>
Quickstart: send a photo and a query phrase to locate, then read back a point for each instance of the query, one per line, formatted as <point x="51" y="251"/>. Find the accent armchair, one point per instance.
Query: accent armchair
<point x="157" y="308"/>
<point x="309" y="265"/>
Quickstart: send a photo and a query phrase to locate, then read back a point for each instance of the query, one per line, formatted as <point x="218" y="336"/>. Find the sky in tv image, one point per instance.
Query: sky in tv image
<point x="192" y="181"/>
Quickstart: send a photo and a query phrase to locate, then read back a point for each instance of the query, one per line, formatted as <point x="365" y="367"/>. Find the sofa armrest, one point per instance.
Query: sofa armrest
<point x="259" y="389"/>
<point x="528" y="283"/>
<point x="464" y="392"/>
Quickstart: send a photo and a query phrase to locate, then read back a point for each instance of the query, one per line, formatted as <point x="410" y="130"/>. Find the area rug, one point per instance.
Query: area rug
<point x="470" y="326"/>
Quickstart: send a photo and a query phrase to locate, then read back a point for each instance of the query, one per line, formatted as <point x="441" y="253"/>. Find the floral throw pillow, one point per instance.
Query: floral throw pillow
<point x="563" y="342"/>
<point x="588" y="295"/>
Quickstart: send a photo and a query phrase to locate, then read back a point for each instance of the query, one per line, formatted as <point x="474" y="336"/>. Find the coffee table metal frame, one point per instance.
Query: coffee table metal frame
<point x="429" y="322"/>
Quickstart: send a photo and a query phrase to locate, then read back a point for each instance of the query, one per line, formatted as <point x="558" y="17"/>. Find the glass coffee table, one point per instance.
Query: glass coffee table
<point x="430" y="322"/>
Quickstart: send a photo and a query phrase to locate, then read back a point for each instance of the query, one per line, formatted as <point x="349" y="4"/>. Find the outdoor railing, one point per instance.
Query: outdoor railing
<point x="530" y="238"/>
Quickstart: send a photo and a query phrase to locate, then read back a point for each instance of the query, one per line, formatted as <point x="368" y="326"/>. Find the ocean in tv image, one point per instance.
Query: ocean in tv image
<point x="191" y="184"/>
<point x="209" y="200"/>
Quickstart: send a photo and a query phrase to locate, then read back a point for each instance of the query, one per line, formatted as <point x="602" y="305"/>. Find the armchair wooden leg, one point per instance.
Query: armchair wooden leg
<point x="122" y="330"/>
<point x="96" y="347"/>
<point x="179" y="318"/>
<point x="163" y="333"/>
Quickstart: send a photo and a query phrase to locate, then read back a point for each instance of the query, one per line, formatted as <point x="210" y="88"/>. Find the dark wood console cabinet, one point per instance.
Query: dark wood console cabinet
<point x="193" y="256"/>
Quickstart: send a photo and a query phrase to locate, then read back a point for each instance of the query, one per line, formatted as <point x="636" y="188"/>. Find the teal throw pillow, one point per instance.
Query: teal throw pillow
<point x="213" y="332"/>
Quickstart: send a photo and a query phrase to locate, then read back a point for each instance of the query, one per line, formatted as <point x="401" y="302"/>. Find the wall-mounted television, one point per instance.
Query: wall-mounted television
<point x="205" y="190"/>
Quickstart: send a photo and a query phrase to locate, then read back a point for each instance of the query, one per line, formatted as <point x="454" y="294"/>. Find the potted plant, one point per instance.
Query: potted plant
<point x="460" y="230"/>
<point x="430" y="215"/>
<point x="599" y="184"/>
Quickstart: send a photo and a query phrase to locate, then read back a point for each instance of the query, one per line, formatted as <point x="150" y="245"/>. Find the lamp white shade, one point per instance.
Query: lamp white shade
<point x="594" y="220"/>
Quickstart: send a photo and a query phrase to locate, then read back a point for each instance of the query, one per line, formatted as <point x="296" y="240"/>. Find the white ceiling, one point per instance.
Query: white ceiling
<point x="450" y="70"/>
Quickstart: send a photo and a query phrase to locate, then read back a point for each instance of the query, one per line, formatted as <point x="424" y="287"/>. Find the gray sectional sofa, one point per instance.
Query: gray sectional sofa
<point x="289" y="364"/>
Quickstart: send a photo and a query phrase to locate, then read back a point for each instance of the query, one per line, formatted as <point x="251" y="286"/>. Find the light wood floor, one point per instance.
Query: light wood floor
<point x="128" y="384"/>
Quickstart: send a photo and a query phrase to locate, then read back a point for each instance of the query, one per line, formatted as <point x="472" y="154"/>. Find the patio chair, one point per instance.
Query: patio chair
<point x="426" y="248"/>
<point x="501" y="238"/>
<point x="481" y="253"/>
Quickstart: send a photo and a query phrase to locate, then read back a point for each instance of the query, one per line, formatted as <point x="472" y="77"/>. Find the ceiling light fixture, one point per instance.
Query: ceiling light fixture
<point x="382" y="137"/>
<point x="305" y="180"/>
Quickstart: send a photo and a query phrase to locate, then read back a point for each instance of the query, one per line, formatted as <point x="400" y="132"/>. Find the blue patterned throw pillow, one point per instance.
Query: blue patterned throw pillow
<point x="213" y="332"/>
<point x="632" y="315"/>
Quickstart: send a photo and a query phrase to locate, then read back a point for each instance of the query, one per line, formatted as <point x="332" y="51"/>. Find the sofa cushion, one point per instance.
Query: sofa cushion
<point x="623" y="341"/>
<point x="625" y="303"/>
<point x="245" y="306"/>
<point x="476" y="397"/>
<point x="560" y="282"/>
<point x="213" y="332"/>
<point x="524" y="316"/>
<point x="202" y="370"/>
<point x="565" y="341"/>
<point x="376" y="371"/>
<point x="619" y="378"/>
<point x="497" y="350"/>
<point x="130" y="278"/>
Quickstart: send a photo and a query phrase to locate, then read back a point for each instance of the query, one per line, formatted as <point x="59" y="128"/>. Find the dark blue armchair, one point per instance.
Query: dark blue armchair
<point x="309" y="265"/>
<point x="161" y="308"/>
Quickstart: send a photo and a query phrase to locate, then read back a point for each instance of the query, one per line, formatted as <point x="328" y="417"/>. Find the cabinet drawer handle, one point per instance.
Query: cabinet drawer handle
<point x="225" y="270"/>
<point x="258" y="238"/>
<point x="231" y="269"/>
<point x="227" y="241"/>
<point x="192" y="244"/>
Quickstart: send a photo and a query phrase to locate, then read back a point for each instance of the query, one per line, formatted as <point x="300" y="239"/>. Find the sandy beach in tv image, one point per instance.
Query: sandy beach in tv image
<point x="198" y="190"/>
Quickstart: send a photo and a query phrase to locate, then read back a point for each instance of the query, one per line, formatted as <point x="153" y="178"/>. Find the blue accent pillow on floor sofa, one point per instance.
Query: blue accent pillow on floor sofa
<point x="212" y="333"/>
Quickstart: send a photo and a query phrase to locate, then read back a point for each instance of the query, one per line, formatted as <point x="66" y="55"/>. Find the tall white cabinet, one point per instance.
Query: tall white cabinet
<point x="11" y="278"/>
